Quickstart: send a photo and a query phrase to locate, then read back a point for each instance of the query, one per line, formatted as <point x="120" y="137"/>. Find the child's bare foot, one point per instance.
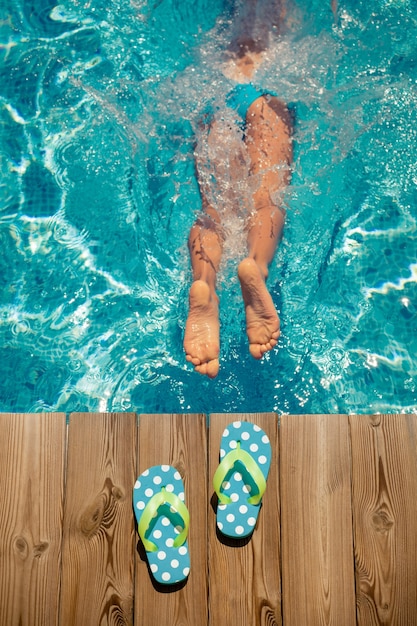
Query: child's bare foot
<point x="201" y="340"/>
<point x="262" y="321"/>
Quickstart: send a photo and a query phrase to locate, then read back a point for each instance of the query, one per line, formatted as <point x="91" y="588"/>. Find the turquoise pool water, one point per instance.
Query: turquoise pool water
<point x="99" y="106"/>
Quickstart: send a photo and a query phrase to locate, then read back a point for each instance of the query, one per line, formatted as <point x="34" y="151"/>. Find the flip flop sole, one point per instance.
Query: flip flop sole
<point x="238" y="518"/>
<point x="168" y="564"/>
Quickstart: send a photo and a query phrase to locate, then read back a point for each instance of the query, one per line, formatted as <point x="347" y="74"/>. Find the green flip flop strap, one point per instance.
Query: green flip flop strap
<point x="252" y="468"/>
<point x="151" y="509"/>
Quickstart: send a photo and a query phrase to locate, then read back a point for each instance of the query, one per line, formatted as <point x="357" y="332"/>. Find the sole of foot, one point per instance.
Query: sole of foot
<point x="262" y="321"/>
<point x="201" y="339"/>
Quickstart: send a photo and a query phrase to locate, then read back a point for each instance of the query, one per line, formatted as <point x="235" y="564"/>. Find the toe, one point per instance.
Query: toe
<point x="210" y="369"/>
<point x="255" y="350"/>
<point x="213" y="368"/>
<point x="192" y="359"/>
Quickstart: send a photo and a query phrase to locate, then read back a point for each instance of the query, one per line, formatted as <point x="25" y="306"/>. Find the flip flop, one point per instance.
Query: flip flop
<point x="163" y="521"/>
<point x="240" y="479"/>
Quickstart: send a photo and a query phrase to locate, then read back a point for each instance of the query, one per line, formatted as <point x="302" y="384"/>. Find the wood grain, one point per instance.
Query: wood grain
<point x="97" y="568"/>
<point x="329" y="469"/>
<point x="180" y="441"/>
<point x="317" y="543"/>
<point x="32" y="453"/>
<point x="244" y="576"/>
<point x="384" y="454"/>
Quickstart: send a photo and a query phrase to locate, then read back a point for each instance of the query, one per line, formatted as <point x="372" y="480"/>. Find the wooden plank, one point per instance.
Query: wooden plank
<point x="384" y="454"/>
<point x="97" y="573"/>
<point x="32" y="455"/>
<point x="180" y="441"/>
<point x="317" y="543"/>
<point x="244" y="575"/>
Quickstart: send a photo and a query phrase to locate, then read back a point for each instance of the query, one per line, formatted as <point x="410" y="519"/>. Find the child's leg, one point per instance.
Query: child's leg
<point x="268" y="140"/>
<point x="201" y="339"/>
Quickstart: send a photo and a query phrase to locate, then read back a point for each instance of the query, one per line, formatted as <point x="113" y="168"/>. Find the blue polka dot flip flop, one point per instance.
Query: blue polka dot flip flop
<point x="240" y="479"/>
<point x="163" y="521"/>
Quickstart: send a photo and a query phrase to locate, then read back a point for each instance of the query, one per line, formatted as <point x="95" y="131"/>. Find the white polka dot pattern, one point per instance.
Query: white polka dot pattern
<point x="168" y="565"/>
<point x="238" y="519"/>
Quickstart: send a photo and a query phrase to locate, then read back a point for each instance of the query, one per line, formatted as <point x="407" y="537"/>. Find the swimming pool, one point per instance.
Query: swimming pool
<point x="99" y="107"/>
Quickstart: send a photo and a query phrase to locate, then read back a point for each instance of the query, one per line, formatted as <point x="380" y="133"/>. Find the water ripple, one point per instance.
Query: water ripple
<point x="97" y="120"/>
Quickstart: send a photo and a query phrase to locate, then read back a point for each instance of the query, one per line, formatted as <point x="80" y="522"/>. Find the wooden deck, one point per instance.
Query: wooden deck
<point x="336" y="540"/>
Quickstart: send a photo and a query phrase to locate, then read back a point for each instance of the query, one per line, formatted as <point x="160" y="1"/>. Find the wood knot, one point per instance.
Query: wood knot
<point x="102" y="510"/>
<point x="92" y="517"/>
<point x="375" y="420"/>
<point x="268" y="615"/>
<point x="113" y="491"/>
<point x="22" y="547"/>
<point x="382" y="522"/>
<point x="117" y="493"/>
<point x="40" y="549"/>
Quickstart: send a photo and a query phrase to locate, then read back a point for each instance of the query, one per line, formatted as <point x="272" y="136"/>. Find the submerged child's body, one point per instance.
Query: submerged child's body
<point x="268" y="147"/>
